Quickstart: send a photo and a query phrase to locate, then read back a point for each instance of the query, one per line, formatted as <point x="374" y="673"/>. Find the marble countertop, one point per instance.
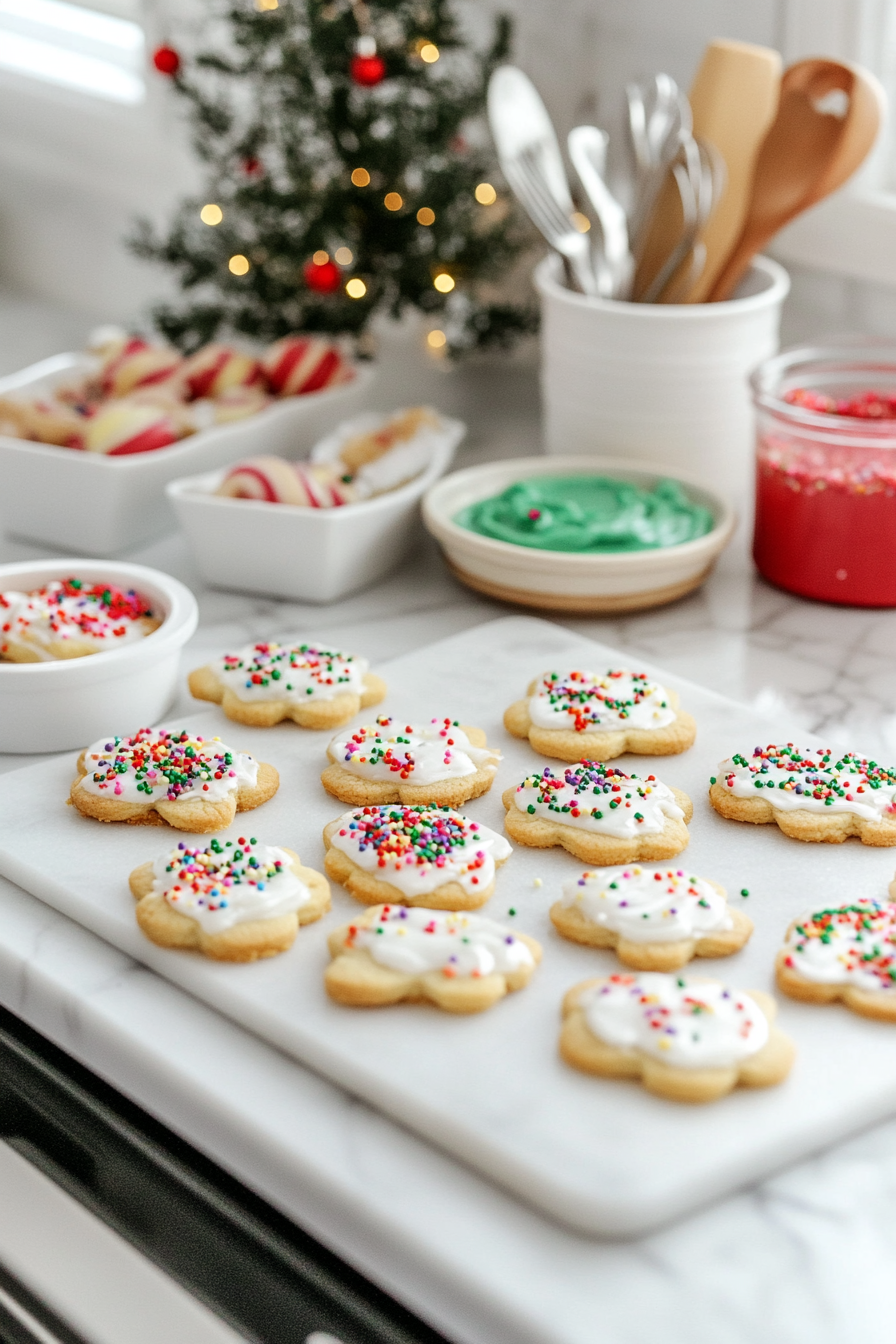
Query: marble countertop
<point x="807" y="1255"/>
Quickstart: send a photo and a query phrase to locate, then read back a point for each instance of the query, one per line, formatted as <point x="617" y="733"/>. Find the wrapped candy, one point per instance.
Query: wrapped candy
<point x="135" y="363"/>
<point x="276" y="481"/>
<point x="297" y="365"/>
<point x="125" y="427"/>
<point x="216" y="369"/>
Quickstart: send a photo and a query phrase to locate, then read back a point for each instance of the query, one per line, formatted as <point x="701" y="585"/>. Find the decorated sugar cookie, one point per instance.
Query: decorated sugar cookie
<point x="159" y="778"/>
<point x="815" y="795"/>
<point x="70" y="618"/>
<point x="460" y="962"/>
<point x="656" y="919"/>
<point x="441" y="762"/>
<point x="234" y="900"/>
<point x="599" y="813"/>
<point x="264" y="683"/>
<point x="685" y="1038"/>
<point x="845" y="952"/>
<point x="426" y="856"/>
<point x="576" y="714"/>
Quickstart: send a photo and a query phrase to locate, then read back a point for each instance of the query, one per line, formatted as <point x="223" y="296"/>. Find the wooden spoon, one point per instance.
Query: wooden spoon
<point x="827" y="122"/>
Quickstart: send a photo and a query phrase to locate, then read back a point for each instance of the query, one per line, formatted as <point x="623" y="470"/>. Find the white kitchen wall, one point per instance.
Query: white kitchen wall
<point x="75" y="171"/>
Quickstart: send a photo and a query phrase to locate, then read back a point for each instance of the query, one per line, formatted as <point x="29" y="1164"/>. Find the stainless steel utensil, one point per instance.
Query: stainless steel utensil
<point x="533" y="166"/>
<point x="588" y="151"/>
<point x="658" y="112"/>
<point x="699" y="174"/>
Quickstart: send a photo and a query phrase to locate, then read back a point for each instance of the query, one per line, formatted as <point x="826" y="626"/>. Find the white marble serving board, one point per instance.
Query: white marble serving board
<point x="601" y="1156"/>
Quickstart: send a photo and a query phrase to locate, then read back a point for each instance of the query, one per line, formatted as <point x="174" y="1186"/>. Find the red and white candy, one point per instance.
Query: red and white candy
<point x="218" y="368"/>
<point x="315" y="485"/>
<point x="296" y="365"/>
<point x="125" y="427"/>
<point x="135" y="363"/>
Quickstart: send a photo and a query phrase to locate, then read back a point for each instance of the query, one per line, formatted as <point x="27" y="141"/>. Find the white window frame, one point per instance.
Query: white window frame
<point x="854" y="232"/>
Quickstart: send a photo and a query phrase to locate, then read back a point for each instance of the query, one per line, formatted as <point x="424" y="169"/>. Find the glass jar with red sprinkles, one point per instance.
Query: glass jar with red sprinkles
<point x="826" y="472"/>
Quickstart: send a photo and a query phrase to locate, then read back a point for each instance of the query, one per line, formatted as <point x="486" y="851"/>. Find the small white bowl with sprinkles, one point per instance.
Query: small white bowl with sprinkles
<point x="87" y="647"/>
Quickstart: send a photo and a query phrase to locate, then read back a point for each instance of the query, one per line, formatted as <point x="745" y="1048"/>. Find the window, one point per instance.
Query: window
<point x="96" y="50"/>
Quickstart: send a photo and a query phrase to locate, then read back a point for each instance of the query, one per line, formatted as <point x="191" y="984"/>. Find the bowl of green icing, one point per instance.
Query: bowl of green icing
<point x="578" y="533"/>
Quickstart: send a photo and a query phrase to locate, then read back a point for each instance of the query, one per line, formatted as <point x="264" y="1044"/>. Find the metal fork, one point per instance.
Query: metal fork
<point x="526" y="174"/>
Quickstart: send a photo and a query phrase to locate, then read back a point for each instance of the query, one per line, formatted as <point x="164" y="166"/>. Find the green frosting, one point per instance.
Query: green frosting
<point x="588" y="513"/>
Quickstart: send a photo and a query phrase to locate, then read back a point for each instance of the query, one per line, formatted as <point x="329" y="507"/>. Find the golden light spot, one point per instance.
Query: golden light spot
<point x="356" y="288"/>
<point x="344" y="256"/>
<point x="238" y="265"/>
<point x="429" y="53"/>
<point x="444" y="282"/>
<point x="392" y="200"/>
<point x="425" y="215"/>
<point x="264" y="5"/>
<point x="485" y="194"/>
<point x="582" y="222"/>
<point x="360" y="177"/>
<point x="320" y="258"/>
<point x="211" y="214"/>
<point x="435" y="339"/>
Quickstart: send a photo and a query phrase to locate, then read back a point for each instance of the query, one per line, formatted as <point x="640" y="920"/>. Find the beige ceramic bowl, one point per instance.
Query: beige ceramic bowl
<point x="560" y="580"/>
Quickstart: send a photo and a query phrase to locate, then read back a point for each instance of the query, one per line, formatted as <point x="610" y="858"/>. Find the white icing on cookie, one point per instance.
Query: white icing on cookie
<point x="89" y="616"/>
<point x="596" y="796"/>
<point x="590" y="702"/>
<point x="688" y="1024"/>
<point x="415" y="941"/>
<point x="417" y="849"/>
<point x="819" y="780"/>
<point x="228" y="882"/>
<point x="391" y="750"/>
<point x="649" y="905"/>
<point x="159" y="766"/>
<point x="851" y="944"/>
<point x="297" y="673"/>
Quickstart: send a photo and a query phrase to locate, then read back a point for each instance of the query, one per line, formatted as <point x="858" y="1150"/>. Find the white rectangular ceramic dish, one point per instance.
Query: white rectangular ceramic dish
<point x="602" y="1156"/>
<point x="311" y="555"/>
<point x="99" y="505"/>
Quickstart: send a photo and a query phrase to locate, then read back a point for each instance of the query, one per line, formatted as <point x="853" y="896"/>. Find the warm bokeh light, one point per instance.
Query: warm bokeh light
<point x="425" y="215"/>
<point x="238" y="265"/>
<point x="444" y="282"/>
<point x="392" y="200"/>
<point x="320" y="258"/>
<point x="211" y="214"/>
<point x="356" y="288"/>
<point x="429" y="53"/>
<point x="435" y="339"/>
<point x="360" y="178"/>
<point x="267" y="4"/>
<point x="582" y="222"/>
<point x="485" y="194"/>
<point x="344" y="256"/>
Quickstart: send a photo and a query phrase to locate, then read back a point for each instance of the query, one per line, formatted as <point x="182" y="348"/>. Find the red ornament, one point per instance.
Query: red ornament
<point x="253" y="167"/>
<point x="166" y="60"/>
<point x="323" y="278"/>
<point x="367" y="70"/>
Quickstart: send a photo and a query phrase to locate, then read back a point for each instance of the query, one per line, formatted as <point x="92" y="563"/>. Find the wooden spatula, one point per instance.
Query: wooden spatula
<point x="828" y="119"/>
<point x="734" y="98"/>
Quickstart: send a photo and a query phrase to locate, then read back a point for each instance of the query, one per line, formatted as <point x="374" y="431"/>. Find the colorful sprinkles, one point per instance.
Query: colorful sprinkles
<point x="375" y="745"/>
<point x="161" y="763"/>
<point x="611" y="787"/>
<point x="210" y="874"/>
<point x="422" y="837"/>
<point x="817" y="777"/>
<point x="72" y="609"/>
<point x="293" y="668"/>
<point x="591" y="700"/>
<point x="854" y="943"/>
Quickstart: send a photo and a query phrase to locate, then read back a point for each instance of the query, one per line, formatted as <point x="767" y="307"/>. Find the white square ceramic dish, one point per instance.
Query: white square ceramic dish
<point x="314" y="555"/>
<point x="100" y="505"/>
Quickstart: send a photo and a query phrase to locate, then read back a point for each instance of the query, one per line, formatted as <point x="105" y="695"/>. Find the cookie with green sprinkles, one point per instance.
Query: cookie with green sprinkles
<point x="845" y="953"/>
<point x="599" y="813"/>
<point x="575" y="714"/>
<point x="818" y="795"/>
<point x="265" y="683"/>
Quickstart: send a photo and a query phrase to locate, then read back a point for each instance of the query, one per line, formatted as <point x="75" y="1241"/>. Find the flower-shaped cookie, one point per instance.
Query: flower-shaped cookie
<point x="233" y="900"/>
<point x="262" y="684"/>
<point x="71" y="618"/>
<point x="576" y="714"/>
<point x="159" y="778"/>
<point x="656" y="919"/>
<point x="426" y="856"/>
<point x="599" y="813"/>
<point x="818" y="795"/>
<point x="687" y="1039"/>
<point x="845" y="952"/>
<point x="462" y="963"/>
<point x="390" y="761"/>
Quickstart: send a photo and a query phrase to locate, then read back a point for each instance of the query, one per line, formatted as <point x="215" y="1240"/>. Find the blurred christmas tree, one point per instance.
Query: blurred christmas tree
<point x="348" y="173"/>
